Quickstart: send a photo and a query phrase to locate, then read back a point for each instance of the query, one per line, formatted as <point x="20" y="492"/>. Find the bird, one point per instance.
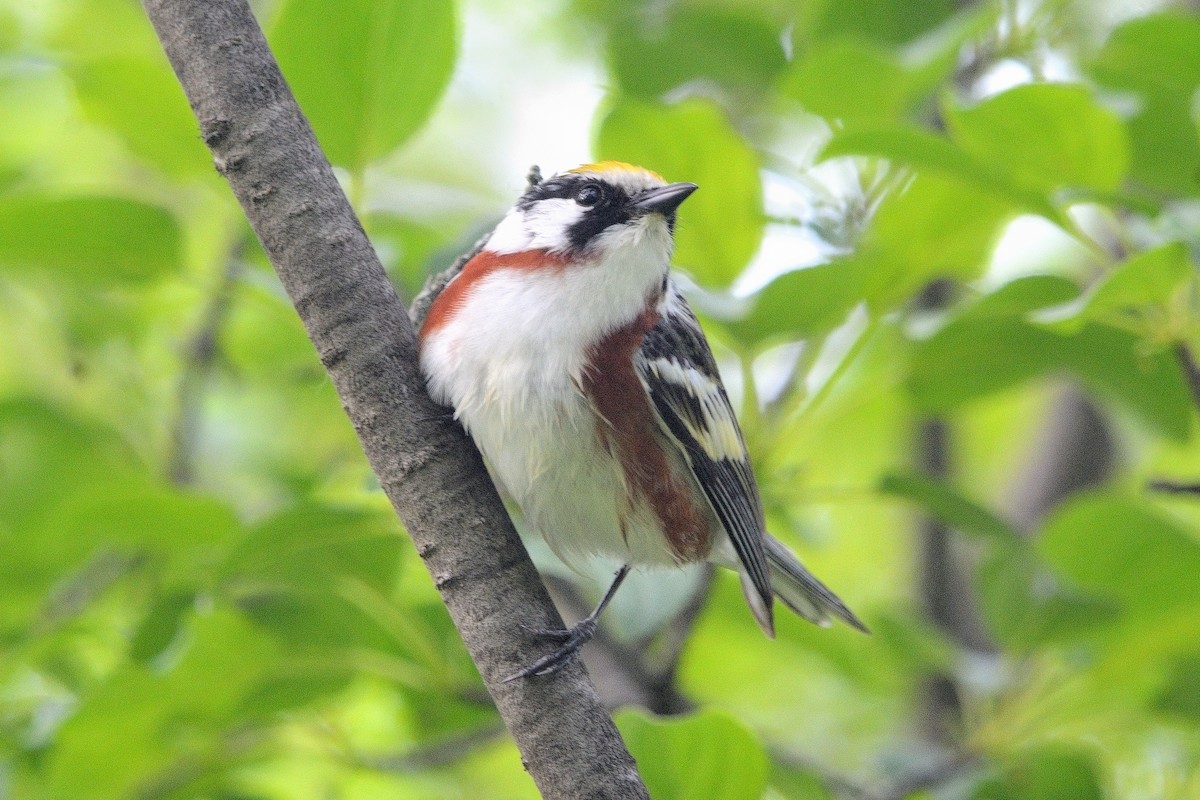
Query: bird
<point x="568" y="353"/>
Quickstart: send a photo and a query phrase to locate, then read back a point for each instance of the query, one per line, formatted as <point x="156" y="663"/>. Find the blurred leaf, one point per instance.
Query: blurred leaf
<point x="1148" y="279"/>
<point x="92" y="240"/>
<point x="161" y="625"/>
<point x="969" y="359"/>
<point x="1020" y="296"/>
<point x="913" y="642"/>
<point x="1048" y="773"/>
<point x="886" y="21"/>
<point x="313" y="547"/>
<point x="1044" y="136"/>
<point x="804" y="302"/>
<point x="1180" y="696"/>
<point x="928" y="153"/>
<point x="264" y="337"/>
<point x="849" y="80"/>
<point x="366" y="72"/>
<point x="733" y="47"/>
<point x="1123" y="549"/>
<point x="99" y="28"/>
<point x="137" y="723"/>
<point x="45" y="453"/>
<point x="1024" y="606"/>
<point x="797" y="783"/>
<point x="96" y="532"/>
<point x="10" y="33"/>
<point x="409" y="249"/>
<point x="140" y="100"/>
<point x="1158" y="57"/>
<point x="1150" y="385"/>
<point x="938" y="227"/>
<point x="707" y="754"/>
<point x="948" y="505"/>
<point x="181" y="534"/>
<point x="292" y="572"/>
<point x="720" y="226"/>
<point x="984" y="351"/>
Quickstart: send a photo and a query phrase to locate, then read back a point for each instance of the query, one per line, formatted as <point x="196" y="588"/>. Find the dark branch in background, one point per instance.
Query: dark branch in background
<point x="1171" y="487"/>
<point x="430" y="471"/>
<point x="1074" y="451"/>
<point x="199" y="357"/>
<point x="1187" y="362"/>
<point x="943" y="579"/>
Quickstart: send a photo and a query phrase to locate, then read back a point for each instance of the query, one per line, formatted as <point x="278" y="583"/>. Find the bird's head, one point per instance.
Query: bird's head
<point x="580" y="254"/>
<point x="592" y="212"/>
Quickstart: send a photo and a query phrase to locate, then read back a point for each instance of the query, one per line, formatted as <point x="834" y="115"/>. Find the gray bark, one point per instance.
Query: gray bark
<point x="431" y="472"/>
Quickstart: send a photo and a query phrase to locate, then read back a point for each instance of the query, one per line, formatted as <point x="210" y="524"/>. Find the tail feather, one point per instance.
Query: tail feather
<point x="800" y="590"/>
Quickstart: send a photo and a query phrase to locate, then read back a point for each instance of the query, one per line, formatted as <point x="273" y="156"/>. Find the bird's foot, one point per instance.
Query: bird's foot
<point x="573" y="639"/>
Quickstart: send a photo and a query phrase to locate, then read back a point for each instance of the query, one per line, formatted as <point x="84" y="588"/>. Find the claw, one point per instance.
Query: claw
<point x="573" y="639"/>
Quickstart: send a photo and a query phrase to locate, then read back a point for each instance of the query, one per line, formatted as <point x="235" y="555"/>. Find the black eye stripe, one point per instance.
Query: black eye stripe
<point x="611" y="207"/>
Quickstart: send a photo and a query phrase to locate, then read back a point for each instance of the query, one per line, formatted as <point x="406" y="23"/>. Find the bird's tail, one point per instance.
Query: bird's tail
<point x="800" y="590"/>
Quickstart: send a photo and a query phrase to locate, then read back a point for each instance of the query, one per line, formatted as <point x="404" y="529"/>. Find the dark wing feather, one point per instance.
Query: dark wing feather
<point x="679" y="373"/>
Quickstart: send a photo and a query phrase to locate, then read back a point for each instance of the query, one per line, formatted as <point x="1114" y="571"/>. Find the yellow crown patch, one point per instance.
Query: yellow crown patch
<point x="616" y="166"/>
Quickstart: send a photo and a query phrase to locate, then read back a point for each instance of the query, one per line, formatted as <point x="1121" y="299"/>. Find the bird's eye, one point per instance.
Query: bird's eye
<point x="588" y="195"/>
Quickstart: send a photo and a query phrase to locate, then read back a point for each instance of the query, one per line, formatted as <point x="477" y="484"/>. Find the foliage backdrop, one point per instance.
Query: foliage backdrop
<point x="946" y="252"/>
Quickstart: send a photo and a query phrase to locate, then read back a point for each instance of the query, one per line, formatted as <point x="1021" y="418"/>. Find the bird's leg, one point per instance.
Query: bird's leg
<point x="573" y="639"/>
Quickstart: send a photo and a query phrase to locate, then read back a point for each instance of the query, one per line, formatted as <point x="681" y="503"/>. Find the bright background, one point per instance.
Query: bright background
<point x="945" y="252"/>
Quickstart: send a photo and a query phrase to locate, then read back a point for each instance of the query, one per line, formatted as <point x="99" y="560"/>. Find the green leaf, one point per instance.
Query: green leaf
<point x="1052" y="772"/>
<point x="1024" y="606"/>
<point x="295" y="573"/>
<point x="849" y="80"/>
<point x="316" y="548"/>
<point x="928" y="153"/>
<point x="161" y="625"/>
<point x="707" y="754"/>
<point x="885" y="21"/>
<point x="99" y="28"/>
<point x="948" y="505"/>
<point x="138" y="723"/>
<point x="43" y="450"/>
<point x="805" y="302"/>
<point x="366" y="72"/>
<point x="991" y="347"/>
<point x="103" y="524"/>
<point x="1158" y="58"/>
<point x="720" y="226"/>
<point x="140" y="100"/>
<point x="1116" y="364"/>
<point x="181" y="532"/>
<point x="1124" y="550"/>
<point x="734" y="48"/>
<point x="91" y="240"/>
<point x="1044" y="136"/>
<point x="1147" y="280"/>
<point x="937" y="227"/>
<point x="1180" y="696"/>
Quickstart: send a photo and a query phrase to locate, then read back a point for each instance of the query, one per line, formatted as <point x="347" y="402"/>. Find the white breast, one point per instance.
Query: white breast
<point x="509" y="362"/>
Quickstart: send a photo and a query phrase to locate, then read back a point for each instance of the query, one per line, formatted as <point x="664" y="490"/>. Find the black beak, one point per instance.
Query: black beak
<point x="664" y="199"/>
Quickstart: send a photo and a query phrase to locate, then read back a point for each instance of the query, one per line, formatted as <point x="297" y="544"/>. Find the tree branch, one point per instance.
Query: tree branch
<point x="430" y="471"/>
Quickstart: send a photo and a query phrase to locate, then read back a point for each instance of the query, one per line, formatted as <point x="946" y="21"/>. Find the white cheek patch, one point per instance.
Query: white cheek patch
<point x="510" y="235"/>
<point x="549" y="221"/>
<point x="542" y="226"/>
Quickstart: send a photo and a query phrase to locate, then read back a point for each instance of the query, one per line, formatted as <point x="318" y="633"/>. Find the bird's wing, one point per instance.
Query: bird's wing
<point x="677" y="369"/>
